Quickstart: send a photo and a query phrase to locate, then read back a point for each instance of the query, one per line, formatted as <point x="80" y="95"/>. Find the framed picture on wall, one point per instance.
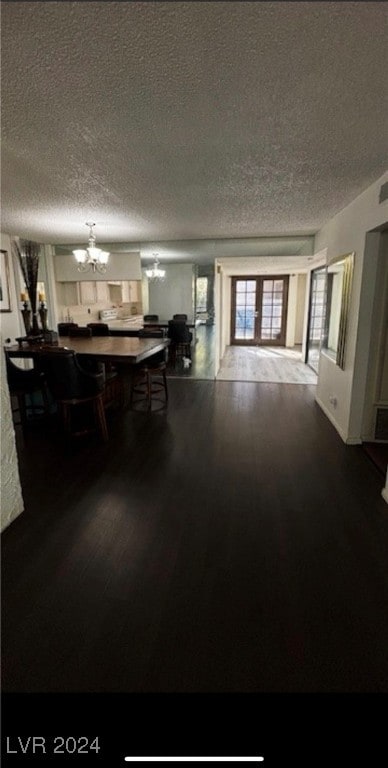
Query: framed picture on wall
<point x="5" y="300"/>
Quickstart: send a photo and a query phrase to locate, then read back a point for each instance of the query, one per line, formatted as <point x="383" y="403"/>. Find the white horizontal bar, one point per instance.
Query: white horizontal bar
<point x="194" y="759"/>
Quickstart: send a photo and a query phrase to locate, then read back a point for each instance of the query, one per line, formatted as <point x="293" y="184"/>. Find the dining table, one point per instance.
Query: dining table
<point x="124" y="352"/>
<point x="113" y="349"/>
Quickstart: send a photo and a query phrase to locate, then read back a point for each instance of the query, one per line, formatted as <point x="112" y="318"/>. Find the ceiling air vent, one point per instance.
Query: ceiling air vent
<point x="383" y="192"/>
<point x="381" y="425"/>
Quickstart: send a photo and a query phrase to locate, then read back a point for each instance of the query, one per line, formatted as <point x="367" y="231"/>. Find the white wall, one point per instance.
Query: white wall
<point x="11" y="492"/>
<point x="11" y="322"/>
<point x="121" y="266"/>
<point x="174" y="294"/>
<point x="345" y="233"/>
<point x="377" y="377"/>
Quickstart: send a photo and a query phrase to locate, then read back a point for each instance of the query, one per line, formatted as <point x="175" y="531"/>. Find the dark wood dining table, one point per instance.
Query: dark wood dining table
<point x="124" y="351"/>
<point x="113" y="349"/>
<point x="164" y="323"/>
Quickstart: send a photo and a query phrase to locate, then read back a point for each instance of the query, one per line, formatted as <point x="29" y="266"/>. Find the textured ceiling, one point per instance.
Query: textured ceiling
<point x="183" y="121"/>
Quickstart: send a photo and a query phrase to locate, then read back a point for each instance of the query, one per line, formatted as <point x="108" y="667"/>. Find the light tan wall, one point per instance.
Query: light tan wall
<point x="345" y="233"/>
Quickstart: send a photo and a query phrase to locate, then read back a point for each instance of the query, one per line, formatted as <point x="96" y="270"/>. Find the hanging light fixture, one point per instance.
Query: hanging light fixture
<point x="155" y="272"/>
<point x="91" y="258"/>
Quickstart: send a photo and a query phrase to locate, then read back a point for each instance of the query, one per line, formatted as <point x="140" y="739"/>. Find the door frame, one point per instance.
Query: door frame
<point x="257" y="341"/>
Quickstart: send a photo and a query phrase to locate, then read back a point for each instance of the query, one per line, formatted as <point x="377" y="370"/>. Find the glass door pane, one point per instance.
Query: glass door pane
<point x="272" y="310"/>
<point x="244" y="315"/>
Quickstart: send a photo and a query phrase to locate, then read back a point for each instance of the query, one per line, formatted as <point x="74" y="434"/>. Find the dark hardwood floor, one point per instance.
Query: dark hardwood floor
<point x="229" y="543"/>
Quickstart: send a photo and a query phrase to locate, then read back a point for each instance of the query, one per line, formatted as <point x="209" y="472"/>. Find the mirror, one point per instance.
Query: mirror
<point x="339" y="275"/>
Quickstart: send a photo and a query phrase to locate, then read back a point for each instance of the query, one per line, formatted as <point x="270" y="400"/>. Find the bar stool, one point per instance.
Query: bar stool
<point x="149" y="381"/>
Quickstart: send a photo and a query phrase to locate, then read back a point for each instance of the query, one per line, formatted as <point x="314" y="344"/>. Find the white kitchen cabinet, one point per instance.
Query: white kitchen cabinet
<point x="68" y="294"/>
<point x="115" y="293"/>
<point x="102" y="292"/>
<point x="135" y="290"/>
<point x="125" y="292"/>
<point x="88" y="292"/>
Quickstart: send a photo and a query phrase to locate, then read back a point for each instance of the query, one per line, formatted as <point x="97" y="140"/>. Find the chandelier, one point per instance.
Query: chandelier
<point x="155" y="273"/>
<point x="91" y="258"/>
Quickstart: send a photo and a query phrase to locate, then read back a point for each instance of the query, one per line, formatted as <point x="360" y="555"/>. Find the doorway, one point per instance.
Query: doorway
<point x="259" y="310"/>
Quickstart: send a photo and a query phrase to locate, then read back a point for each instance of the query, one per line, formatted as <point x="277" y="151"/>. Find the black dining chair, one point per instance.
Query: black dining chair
<point x="102" y="329"/>
<point x="24" y="384"/>
<point x="181" y="338"/>
<point x="74" y="387"/>
<point x="89" y="363"/>
<point x="151" y="318"/>
<point x="180" y="317"/>
<point x="99" y="329"/>
<point x="80" y="331"/>
<point x="63" y="328"/>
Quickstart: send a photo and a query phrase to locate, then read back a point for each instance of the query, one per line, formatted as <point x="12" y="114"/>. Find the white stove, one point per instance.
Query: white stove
<point x="108" y="314"/>
<point x="115" y="320"/>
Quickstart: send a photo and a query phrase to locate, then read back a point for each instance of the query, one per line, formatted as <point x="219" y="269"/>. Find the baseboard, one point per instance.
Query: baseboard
<point x="347" y="440"/>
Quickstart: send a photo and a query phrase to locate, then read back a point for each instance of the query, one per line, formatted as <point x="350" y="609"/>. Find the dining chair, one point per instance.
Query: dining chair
<point x="180" y="317"/>
<point x="151" y="318"/>
<point x="180" y="337"/>
<point x="80" y="331"/>
<point x="113" y="394"/>
<point x="72" y="387"/>
<point x="63" y="328"/>
<point x="24" y="384"/>
<point x="99" y="329"/>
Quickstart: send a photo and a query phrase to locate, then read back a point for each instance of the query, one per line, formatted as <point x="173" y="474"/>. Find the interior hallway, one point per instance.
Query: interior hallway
<point x="230" y="543"/>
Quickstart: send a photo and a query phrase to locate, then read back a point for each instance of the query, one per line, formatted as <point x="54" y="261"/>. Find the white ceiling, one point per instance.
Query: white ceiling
<point x="173" y="123"/>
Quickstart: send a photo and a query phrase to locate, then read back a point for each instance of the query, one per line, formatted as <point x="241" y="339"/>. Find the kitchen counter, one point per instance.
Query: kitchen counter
<point x="122" y="324"/>
<point x="130" y="326"/>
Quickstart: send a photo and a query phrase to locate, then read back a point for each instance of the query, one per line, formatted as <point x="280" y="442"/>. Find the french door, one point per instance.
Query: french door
<point x="259" y="310"/>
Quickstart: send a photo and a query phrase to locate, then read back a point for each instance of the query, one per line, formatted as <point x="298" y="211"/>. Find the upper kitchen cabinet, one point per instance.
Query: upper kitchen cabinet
<point x="68" y="294"/>
<point x="124" y="291"/>
<point x="88" y="292"/>
<point x="102" y="292"/>
<point x="121" y="266"/>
